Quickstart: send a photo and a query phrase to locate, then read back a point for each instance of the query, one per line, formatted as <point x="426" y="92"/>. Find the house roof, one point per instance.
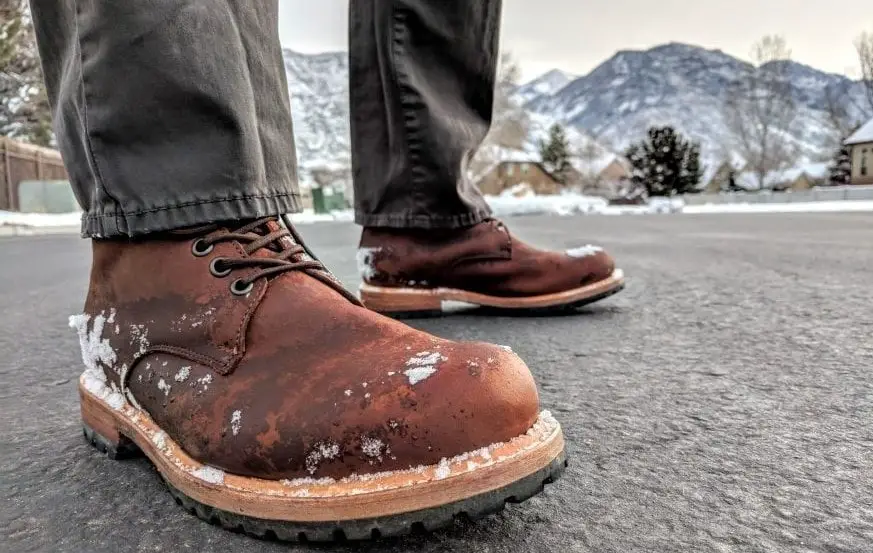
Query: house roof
<point x="749" y="180"/>
<point x="862" y="135"/>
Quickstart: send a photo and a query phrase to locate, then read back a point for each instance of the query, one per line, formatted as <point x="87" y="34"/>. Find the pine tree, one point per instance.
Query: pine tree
<point x="841" y="169"/>
<point x="555" y="153"/>
<point x="665" y="163"/>
<point x="24" y="108"/>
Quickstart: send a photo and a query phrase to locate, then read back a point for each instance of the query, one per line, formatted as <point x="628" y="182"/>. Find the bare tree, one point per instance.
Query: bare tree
<point x="840" y="117"/>
<point x="589" y="156"/>
<point x="760" y="109"/>
<point x="864" y="46"/>
<point x="510" y="125"/>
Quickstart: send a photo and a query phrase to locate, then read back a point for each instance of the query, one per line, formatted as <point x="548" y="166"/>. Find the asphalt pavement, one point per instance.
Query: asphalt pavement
<point x="723" y="402"/>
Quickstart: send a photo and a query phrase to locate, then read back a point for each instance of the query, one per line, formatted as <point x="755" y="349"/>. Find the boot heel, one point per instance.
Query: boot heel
<point x="401" y="302"/>
<point x="100" y="430"/>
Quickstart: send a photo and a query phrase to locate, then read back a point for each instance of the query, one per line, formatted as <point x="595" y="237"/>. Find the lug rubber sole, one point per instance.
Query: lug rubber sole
<point x="434" y="302"/>
<point x="369" y="506"/>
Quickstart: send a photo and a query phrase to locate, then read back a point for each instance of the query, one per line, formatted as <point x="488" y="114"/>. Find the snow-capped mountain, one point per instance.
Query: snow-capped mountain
<point x="684" y="86"/>
<point x="675" y="84"/>
<point x="547" y="84"/>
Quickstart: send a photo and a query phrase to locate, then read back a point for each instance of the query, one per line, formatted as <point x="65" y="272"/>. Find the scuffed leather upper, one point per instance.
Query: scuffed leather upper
<point x="484" y="258"/>
<point x="293" y="380"/>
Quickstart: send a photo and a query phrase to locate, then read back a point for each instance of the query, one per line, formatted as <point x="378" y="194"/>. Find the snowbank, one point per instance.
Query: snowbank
<point x="570" y="203"/>
<point x="794" y="207"/>
<point x="40" y="220"/>
<point x="530" y="204"/>
<point x="309" y="216"/>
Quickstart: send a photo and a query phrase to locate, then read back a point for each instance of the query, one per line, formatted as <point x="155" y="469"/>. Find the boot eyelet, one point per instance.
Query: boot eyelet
<point x="214" y="268"/>
<point x="200" y="248"/>
<point x="240" y="288"/>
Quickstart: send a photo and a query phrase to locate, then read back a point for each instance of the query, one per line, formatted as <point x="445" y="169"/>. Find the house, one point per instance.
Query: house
<point x="861" y="143"/>
<point x="508" y="174"/>
<point x="721" y="180"/>
<point x="605" y="176"/>
<point x="800" y="177"/>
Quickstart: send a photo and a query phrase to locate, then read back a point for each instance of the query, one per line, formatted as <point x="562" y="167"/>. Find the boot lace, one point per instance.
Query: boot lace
<point x="285" y="246"/>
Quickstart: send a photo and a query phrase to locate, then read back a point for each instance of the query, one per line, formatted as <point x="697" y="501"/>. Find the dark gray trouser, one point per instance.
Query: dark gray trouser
<point x="174" y="113"/>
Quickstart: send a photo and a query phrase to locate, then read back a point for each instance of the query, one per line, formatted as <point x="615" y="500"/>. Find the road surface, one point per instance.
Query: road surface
<point x="722" y="402"/>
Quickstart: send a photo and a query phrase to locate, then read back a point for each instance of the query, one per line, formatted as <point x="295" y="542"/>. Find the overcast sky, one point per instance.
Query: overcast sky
<point x="576" y="35"/>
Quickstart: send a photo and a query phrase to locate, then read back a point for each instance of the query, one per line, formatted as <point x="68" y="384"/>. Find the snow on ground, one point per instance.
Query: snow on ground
<point x="40" y="220"/>
<point x="530" y="204"/>
<point x="309" y="216"/>
<point x="796" y="207"/>
<point x="503" y="206"/>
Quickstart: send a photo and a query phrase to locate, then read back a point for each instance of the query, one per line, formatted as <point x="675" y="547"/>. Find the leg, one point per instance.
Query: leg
<point x="157" y="130"/>
<point x="266" y="395"/>
<point x="422" y="89"/>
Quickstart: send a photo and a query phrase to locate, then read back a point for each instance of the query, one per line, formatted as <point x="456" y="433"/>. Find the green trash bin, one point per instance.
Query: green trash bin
<point x="318" y="204"/>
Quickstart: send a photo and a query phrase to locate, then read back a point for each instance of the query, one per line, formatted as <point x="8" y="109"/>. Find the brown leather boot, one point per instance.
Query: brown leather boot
<point x="416" y="272"/>
<point x="271" y="401"/>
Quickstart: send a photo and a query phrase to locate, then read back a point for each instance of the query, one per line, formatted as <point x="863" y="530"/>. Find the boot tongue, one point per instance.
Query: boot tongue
<point x="284" y="242"/>
<point x="281" y="244"/>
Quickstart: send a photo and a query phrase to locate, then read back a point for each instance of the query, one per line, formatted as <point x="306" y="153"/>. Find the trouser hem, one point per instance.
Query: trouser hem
<point x="422" y="221"/>
<point x="173" y="217"/>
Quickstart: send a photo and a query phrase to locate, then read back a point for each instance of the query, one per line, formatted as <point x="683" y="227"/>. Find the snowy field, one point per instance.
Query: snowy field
<point x="563" y="205"/>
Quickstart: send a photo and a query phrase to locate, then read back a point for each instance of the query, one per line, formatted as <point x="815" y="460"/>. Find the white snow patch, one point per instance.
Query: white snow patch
<point x="457" y="306"/>
<point x="418" y="374"/>
<point x="41" y="220"/>
<point x="372" y="447"/>
<point x="348" y="393"/>
<point x="164" y="387"/>
<point x="367" y="262"/>
<point x="183" y="374"/>
<point x="507" y="348"/>
<point x="326" y="450"/>
<point x="159" y="438"/>
<point x="443" y="470"/>
<point x="94" y="381"/>
<point x="96" y="350"/>
<point x="139" y="335"/>
<point x="308" y="216"/>
<point x="584" y="251"/>
<point x="209" y="474"/>
<point x="836" y="206"/>
<point x="422" y="366"/>
<point x="569" y="203"/>
<point x="235" y="422"/>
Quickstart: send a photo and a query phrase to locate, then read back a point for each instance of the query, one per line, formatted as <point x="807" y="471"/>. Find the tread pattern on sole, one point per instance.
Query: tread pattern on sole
<point x="417" y="522"/>
<point x="423" y="521"/>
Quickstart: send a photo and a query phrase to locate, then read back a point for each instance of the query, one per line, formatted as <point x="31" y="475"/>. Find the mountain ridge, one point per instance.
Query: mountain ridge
<point x="675" y="83"/>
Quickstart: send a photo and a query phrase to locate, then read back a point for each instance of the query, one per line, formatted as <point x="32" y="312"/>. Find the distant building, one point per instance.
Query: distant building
<point x="800" y="177"/>
<point x="605" y="176"/>
<point x="721" y="179"/>
<point x="505" y="175"/>
<point x="861" y="144"/>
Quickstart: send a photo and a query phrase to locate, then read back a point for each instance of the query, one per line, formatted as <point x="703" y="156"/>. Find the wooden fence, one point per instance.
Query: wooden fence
<point x="24" y="162"/>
